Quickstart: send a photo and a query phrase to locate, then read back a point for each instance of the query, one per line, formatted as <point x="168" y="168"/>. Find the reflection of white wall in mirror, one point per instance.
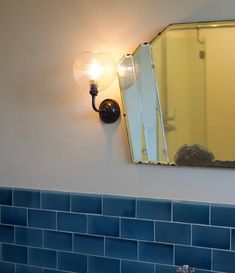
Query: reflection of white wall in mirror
<point x="132" y="106"/>
<point x="148" y="97"/>
<point x="182" y="86"/>
<point x="160" y="67"/>
<point x="220" y="67"/>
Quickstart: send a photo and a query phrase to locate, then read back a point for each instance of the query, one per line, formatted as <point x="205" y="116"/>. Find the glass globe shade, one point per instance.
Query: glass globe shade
<point x="94" y="67"/>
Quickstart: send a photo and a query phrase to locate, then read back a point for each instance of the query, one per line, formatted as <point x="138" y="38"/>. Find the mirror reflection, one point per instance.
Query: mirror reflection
<point x="179" y="95"/>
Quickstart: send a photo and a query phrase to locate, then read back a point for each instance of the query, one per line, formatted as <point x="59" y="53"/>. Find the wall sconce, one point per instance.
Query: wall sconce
<point x="96" y="71"/>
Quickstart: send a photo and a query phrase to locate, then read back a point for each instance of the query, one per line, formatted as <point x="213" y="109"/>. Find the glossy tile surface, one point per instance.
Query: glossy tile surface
<point x="72" y="262"/>
<point x="89" y="244"/>
<point x="191" y="212"/>
<point x="16" y="254"/>
<point x="6" y="234"/>
<point x="223" y="215"/>
<point x="119" y="206"/>
<point x="42" y="257"/>
<point x="28" y="269"/>
<point x="59" y="232"/>
<point x="103" y="225"/>
<point x="86" y="203"/>
<point x="154" y="209"/>
<point x="197" y="257"/>
<point x="5" y="196"/>
<point x="136" y="267"/>
<point x="58" y="240"/>
<point x="174" y="233"/>
<point x="137" y="229"/>
<point x="71" y="222"/>
<point x="7" y="267"/>
<point x="100" y="265"/>
<point x="212" y="237"/>
<point x="42" y="219"/>
<point x="156" y="253"/>
<point x="55" y="201"/>
<point x="26" y="198"/>
<point x="119" y="248"/>
<point x="14" y="216"/>
<point x="28" y="236"/>
<point x="224" y="261"/>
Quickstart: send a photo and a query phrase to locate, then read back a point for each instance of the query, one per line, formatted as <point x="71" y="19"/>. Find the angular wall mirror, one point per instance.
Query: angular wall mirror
<point x="178" y="94"/>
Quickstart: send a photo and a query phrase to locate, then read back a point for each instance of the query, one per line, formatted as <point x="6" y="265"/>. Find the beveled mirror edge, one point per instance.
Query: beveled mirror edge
<point x="173" y="26"/>
<point x="202" y="24"/>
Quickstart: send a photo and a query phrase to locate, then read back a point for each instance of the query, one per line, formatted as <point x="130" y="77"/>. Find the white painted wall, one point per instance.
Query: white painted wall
<point x="49" y="136"/>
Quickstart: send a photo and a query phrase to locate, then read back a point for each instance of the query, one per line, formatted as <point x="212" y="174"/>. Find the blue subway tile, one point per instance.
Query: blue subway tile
<point x="191" y="212"/>
<point x="154" y="209"/>
<point x="103" y="225"/>
<point x="88" y="244"/>
<point x="5" y="196"/>
<point x="28" y="236"/>
<point x="71" y="222"/>
<point x="165" y="269"/>
<point x="137" y="229"/>
<point x="233" y="240"/>
<point x="119" y="206"/>
<point x="156" y="253"/>
<point x="42" y="257"/>
<point x="42" y="219"/>
<point x="223" y="215"/>
<point x="72" y="262"/>
<point x="223" y="261"/>
<point x="28" y="269"/>
<point x="15" y="254"/>
<point x="54" y="271"/>
<point x="101" y="265"/>
<point x="56" y="201"/>
<point x="119" y="248"/>
<point x="6" y="234"/>
<point x="196" y="257"/>
<point x="26" y="198"/>
<point x="58" y="240"/>
<point x="14" y="216"/>
<point x="173" y="233"/>
<point x="211" y="237"/>
<point x="86" y="203"/>
<point x="136" y="267"/>
<point x="7" y="267"/>
<point x="172" y="269"/>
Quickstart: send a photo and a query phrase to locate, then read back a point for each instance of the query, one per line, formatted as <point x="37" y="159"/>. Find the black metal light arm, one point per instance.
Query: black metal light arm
<point x="109" y="110"/>
<point x="94" y="93"/>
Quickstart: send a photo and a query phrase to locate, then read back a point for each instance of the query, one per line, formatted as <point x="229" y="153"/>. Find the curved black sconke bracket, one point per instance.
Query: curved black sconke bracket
<point x="109" y="109"/>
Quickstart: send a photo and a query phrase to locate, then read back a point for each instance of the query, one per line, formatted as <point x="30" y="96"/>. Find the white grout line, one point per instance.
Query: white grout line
<point x="172" y="211"/>
<point x="191" y="235"/>
<point x="231" y="238"/>
<point x="210" y="211"/>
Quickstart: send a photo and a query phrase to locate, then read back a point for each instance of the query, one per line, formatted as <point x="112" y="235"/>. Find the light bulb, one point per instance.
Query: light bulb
<point x="94" y="67"/>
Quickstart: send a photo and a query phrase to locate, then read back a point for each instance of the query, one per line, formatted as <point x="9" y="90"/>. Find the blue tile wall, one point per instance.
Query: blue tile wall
<point x="6" y="196"/>
<point x="89" y="244"/>
<point x="137" y="229"/>
<point x="28" y="269"/>
<point x="55" y="201"/>
<point x="28" y="236"/>
<point x="7" y="267"/>
<point x="58" y="232"/>
<point x="42" y="257"/>
<point x="118" y="206"/>
<point x="26" y="198"/>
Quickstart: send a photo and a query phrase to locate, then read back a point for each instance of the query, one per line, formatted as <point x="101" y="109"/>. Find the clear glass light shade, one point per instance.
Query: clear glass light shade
<point x="94" y="67"/>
